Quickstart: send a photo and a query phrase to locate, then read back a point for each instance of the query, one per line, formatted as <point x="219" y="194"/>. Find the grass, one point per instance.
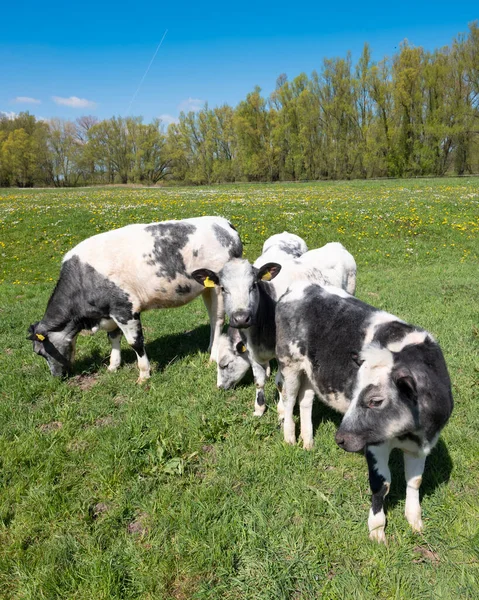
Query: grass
<point x="173" y="489"/>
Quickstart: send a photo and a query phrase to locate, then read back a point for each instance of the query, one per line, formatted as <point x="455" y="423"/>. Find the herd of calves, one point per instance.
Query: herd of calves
<point x="387" y="377"/>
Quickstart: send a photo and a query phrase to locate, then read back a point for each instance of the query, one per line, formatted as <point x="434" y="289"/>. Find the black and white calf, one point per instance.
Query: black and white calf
<point x="233" y="360"/>
<point x="388" y="377"/>
<point x="107" y="280"/>
<point x="331" y="264"/>
<point x="250" y="305"/>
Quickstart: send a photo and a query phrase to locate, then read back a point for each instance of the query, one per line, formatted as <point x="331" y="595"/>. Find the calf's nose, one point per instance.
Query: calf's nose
<point x="350" y="442"/>
<point x="339" y="438"/>
<point x="241" y="319"/>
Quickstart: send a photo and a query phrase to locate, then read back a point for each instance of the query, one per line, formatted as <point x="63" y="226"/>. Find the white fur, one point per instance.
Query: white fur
<point x="413" y="469"/>
<point x="415" y="337"/>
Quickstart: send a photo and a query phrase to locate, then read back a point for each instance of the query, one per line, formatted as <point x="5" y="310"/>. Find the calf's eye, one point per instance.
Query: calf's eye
<point x="375" y="402"/>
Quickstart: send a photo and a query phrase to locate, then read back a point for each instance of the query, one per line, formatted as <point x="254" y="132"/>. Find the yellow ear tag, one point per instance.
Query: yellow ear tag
<point x="40" y="337"/>
<point x="208" y="283"/>
<point x="242" y="349"/>
<point x="266" y="276"/>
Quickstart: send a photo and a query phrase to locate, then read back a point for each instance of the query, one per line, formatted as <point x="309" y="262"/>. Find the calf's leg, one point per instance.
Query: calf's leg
<point x="413" y="470"/>
<point x="134" y="336"/>
<point x="279" y="386"/>
<point x="292" y="380"/>
<point x="306" y="398"/>
<point x="115" y="356"/>
<point x="259" y="374"/>
<point x="213" y="299"/>
<point x="380" y="480"/>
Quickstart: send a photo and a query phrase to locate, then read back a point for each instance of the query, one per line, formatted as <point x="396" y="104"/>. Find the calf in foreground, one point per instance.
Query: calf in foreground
<point x="109" y="279"/>
<point x="388" y="377"/>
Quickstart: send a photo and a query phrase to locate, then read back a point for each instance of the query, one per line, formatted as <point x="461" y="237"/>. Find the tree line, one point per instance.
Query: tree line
<point x="414" y="114"/>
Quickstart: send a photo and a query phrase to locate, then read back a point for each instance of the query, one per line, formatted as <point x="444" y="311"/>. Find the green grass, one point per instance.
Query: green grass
<point x="173" y="489"/>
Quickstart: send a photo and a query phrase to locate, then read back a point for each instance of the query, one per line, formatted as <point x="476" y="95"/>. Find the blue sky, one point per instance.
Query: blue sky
<point x="70" y="59"/>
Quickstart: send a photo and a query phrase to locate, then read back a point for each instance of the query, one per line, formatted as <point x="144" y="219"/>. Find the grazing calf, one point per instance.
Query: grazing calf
<point x="109" y="279"/>
<point x="388" y="377"/>
<point x="332" y="264"/>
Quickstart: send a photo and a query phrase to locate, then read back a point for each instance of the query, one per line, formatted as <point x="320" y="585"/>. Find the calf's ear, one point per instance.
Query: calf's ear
<point x="240" y="347"/>
<point x="406" y="384"/>
<point x="206" y="277"/>
<point x="37" y="332"/>
<point x="268" y="271"/>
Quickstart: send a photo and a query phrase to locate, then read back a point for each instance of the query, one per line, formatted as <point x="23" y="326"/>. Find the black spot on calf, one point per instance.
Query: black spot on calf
<point x="182" y="290"/>
<point x="169" y="240"/>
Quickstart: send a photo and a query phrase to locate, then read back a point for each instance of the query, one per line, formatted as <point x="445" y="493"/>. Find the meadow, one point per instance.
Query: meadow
<point x="174" y="489"/>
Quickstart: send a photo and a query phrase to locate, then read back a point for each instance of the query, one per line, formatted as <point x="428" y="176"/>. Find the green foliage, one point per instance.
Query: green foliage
<point x="173" y="490"/>
<point x="413" y="115"/>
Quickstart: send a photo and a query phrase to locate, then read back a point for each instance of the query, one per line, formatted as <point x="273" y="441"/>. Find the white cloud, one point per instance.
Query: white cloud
<point x="74" y="102"/>
<point x="26" y="100"/>
<point x="168" y="119"/>
<point x="10" y="115"/>
<point x="192" y="104"/>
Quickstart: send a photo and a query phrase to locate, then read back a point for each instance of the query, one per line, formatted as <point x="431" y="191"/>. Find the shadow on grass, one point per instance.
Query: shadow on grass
<point x="437" y="471"/>
<point x="161" y="351"/>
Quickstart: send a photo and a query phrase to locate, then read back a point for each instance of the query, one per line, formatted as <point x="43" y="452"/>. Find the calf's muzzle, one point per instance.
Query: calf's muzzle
<point x="241" y="319"/>
<point x="351" y="442"/>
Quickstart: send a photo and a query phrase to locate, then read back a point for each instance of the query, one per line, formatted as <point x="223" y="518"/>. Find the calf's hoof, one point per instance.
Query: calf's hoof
<point x="113" y="368"/>
<point x="290" y="438"/>
<point x="259" y="411"/>
<point x="416" y="524"/>
<point x="378" y="535"/>
<point x="142" y="378"/>
<point x="308" y="444"/>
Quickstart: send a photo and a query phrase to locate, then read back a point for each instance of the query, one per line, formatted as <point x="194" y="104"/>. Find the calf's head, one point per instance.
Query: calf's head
<point x="233" y="359"/>
<point x="239" y="281"/>
<point x="384" y="404"/>
<point x="57" y="348"/>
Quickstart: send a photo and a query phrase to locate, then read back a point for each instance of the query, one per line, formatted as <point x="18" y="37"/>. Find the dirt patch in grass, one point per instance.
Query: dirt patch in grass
<point x="99" y="509"/>
<point x="426" y="555"/>
<point x="104" y="421"/>
<point x="184" y="586"/>
<point x="84" y="381"/>
<point x="140" y="525"/>
<point x="53" y="426"/>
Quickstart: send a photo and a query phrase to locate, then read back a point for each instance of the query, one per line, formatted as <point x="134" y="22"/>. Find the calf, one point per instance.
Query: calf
<point x="109" y="279"/>
<point x="331" y="264"/>
<point x="249" y="304"/>
<point x="233" y="360"/>
<point x="388" y="377"/>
